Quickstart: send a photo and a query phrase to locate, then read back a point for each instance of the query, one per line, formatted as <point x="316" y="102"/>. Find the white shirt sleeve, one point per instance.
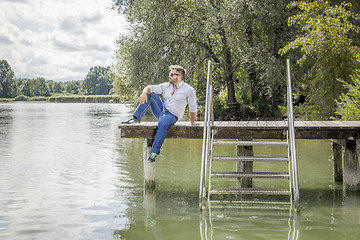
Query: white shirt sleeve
<point x="158" y="89"/>
<point x="191" y="100"/>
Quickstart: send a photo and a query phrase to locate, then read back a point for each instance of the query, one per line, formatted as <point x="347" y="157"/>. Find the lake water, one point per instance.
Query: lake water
<point x="66" y="174"/>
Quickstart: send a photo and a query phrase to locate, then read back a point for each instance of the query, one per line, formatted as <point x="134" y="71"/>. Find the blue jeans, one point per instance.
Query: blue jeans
<point x="166" y="119"/>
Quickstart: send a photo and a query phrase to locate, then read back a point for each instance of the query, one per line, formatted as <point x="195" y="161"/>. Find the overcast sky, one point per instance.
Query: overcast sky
<point x="58" y="39"/>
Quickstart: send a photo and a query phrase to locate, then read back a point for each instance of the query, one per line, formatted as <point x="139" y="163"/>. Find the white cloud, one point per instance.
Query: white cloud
<point x="58" y="39"/>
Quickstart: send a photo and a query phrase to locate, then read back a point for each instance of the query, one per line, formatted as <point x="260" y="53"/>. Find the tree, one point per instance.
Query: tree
<point x="25" y="85"/>
<point x="7" y="81"/>
<point x="98" y="81"/>
<point x="327" y="47"/>
<point x="39" y="88"/>
<point x="58" y="87"/>
<point x="242" y="38"/>
<point x="122" y="89"/>
<point x="50" y="85"/>
<point x="73" y="87"/>
<point x="188" y="33"/>
<point x="34" y="87"/>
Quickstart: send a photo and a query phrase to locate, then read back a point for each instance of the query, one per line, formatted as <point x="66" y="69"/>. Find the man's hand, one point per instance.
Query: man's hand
<point x="192" y="118"/>
<point x="143" y="98"/>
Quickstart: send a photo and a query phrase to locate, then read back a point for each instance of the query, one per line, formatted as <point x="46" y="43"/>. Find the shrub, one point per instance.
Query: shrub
<point x="21" y="98"/>
<point x="349" y="104"/>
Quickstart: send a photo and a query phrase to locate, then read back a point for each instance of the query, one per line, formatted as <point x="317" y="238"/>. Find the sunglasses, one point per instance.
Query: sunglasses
<point x="172" y="74"/>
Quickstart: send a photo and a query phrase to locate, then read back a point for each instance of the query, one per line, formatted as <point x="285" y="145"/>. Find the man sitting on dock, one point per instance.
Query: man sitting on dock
<point x="176" y="95"/>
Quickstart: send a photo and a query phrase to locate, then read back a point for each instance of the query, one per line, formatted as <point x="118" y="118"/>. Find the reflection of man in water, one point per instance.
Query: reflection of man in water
<point x="176" y="95"/>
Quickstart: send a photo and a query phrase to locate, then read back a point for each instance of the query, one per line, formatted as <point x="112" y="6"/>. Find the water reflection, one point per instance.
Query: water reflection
<point x="351" y="212"/>
<point x="216" y="224"/>
<point x="165" y="218"/>
<point x="150" y="213"/>
<point x="6" y="122"/>
<point x="325" y="214"/>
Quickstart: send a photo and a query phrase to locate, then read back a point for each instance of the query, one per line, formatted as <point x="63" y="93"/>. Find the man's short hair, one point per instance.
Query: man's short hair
<point x="179" y="69"/>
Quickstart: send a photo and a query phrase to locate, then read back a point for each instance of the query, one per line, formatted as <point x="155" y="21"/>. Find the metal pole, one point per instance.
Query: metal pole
<point x="204" y="146"/>
<point x="292" y="139"/>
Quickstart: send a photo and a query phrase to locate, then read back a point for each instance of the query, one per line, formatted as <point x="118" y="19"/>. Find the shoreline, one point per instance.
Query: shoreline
<point x="69" y="99"/>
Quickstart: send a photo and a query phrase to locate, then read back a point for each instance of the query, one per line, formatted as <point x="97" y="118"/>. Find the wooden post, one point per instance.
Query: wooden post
<point x="149" y="168"/>
<point x="337" y="154"/>
<point x="244" y="166"/>
<point x="351" y="166"/>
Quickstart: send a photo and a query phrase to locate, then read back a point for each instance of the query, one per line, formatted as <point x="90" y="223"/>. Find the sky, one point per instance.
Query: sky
<point x="58" y="40"/>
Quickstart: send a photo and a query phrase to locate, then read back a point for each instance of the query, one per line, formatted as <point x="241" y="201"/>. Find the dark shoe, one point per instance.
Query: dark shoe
<point x="131" y="120"/>
<point x="152" y="157"/>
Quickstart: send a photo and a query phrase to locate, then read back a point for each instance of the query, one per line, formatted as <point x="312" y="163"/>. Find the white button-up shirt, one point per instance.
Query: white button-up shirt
<point x="176" y="103"/>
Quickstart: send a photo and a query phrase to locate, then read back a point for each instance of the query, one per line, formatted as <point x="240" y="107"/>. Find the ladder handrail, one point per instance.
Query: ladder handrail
<point x="206" y="136"/>
<point x="290" y="116"/>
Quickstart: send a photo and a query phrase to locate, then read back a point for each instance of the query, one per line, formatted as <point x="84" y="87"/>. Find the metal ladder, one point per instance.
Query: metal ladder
<point x="249" y="197"/>
<point x="260" y="197"/>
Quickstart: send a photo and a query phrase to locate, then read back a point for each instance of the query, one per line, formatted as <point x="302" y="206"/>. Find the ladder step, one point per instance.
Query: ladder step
<point x="281" y="205"/>
<point x="250" y="191"/>
<point x="250" y="206"/>
<point x="251" y="174"/>
<point x="250" y="159"/>
<point x="251" y="143"/>
<point x="250" y="202"/>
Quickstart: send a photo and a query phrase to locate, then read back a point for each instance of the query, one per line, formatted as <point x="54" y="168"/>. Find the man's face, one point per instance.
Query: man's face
<point x="174" y="76"/>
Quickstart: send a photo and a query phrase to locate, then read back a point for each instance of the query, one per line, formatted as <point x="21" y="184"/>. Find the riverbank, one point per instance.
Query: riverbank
<point x="69" y="99"/>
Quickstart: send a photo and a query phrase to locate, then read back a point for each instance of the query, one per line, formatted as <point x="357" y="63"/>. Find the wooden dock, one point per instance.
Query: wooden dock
<point x="255" y="129"/>
<point x="343" y="134"/>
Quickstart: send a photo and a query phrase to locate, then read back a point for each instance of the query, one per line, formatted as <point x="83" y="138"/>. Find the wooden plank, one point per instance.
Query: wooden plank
<point x="221" y="124"/>
<point x="261" y="124"/>
<point x="326" y="123"/>
<point x="337" y="124"/>
<point x="282" y="124"/>
<point x="240" y="123"/>
<point x="300" y="124"/>
<point x="308" y="123"/>
<point x="332" y="124"/>
<point x="316" y="124"/>
<point x="232" y="124"/>
<point x="276" y="124"/>
<point x="279" y="124"/>
<point x="354" y="124"/>
<point x="252" y="124"/>
<point x="346" y="124"/>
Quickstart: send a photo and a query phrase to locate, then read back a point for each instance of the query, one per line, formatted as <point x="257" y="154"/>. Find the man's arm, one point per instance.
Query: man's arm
<point x="143" y="96"/>
<point x="193" y="118"/>
<point x="191" y="101"/>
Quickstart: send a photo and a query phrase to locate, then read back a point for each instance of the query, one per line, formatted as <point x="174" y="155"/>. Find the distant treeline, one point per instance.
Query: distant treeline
<point x="99" y="81"/>
<point x="86" y="99"/>
<point x="63" y="98"/>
